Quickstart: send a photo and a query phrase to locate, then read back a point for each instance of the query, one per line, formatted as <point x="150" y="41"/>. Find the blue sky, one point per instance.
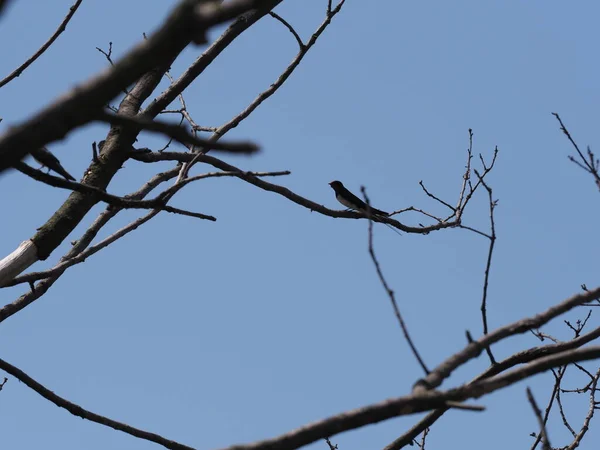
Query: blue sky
<point x="219" y="333"/>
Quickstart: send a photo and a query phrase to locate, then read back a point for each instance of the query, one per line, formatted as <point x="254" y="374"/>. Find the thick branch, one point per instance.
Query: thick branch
<point x="412" y="404"/>
<point x="178" y="133"/>
<point x="440" y="373"/>
<point x="79" y="106"/>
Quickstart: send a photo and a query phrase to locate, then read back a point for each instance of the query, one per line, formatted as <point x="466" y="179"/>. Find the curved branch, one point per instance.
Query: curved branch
<point x="290" y="28"/>
<point x="283" y="191"/>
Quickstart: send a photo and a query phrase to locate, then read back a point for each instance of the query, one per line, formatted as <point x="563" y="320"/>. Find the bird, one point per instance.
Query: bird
<point x="47" y="159"/>
<point x="351" y="201"/>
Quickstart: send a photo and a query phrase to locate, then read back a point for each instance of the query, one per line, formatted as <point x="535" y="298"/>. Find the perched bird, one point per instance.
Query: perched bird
<point x="47" y="159"/>
<point x="349" y="200"/>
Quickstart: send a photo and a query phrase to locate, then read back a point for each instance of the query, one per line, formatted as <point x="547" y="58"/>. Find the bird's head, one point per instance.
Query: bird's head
<point x="336" y="184"/>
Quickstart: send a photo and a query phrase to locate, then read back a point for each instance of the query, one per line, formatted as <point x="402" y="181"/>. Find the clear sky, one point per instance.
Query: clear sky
<point x="219" y="333"/>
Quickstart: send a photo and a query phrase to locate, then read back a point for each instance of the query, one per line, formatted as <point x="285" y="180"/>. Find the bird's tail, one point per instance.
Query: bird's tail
<point x="61" y="170"/>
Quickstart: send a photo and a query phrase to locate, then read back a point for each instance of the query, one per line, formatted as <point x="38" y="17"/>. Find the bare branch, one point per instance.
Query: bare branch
<point x="80" y="105"/>
<point x="538" y="415"/>
<point x="62" y="27"/>
<point x="302" y="201"/>
<point x="84" y="255"/>
<point x="271" y="90"/>
<point x="488" y="264"/>
<point x="424" y="401"/>
<point x="588" y="418"/>
<point x="440" y="373"/>
<point x="178" y="133"/>
<point x="590" y="164"/>
<point x="429" y="194"/>
<point x="77" y="410"/>
<point x="156" y="203"/>
<point x="210" y="54"/>
<point x="388" y="290"/>
<point x="289" y="27"/>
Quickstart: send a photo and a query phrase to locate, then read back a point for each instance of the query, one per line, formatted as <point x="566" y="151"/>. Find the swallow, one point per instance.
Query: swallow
<point x="47" y="159"/>
<point x="351" y="201"/>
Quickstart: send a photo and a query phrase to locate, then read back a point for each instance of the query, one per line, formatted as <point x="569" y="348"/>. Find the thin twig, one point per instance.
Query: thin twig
<point x="538" y="415"/>
<point x="62" y="27"/>
<point x="588" y="418"/>
<point x="331" y="446"/>
<point x="289" y="27"/>
<point x="108" y="56"/>
<point x="269" y="91"/>
<point x="558" y="378"/>
<point x="84" y="255"/>
<point x="492" y="206"/>
<point x="563" y="416"/>
<point x="590" y="164"/>
<point x="388" y="290"/>
<point x="429" y="194"/>
<point x="467" y="174"/>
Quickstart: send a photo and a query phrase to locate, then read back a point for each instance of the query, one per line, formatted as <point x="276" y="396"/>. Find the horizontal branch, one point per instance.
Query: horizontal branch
<point x="149" y="157"/>
<point x="178" y="133"/>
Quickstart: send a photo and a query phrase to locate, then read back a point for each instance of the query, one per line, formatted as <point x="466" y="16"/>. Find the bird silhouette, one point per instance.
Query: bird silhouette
<point x="47" y="159"/>
<point x="349" y="200"/>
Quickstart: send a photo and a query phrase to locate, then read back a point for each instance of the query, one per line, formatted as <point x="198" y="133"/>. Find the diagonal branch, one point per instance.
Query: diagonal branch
<point x="270" y="90"/>
<point x="156" y="203"/>
<point x="62" y="27"/>
<point x="388" y="290"/>
<point x="79" y="106"/>
<point x="77" y="410"/>
<point x="538" y="414"/>
<point x="84" y="255"/>
<point x="443" y="371"/>
<point x="289" y="27"/>
<point x="411" y="404"/>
